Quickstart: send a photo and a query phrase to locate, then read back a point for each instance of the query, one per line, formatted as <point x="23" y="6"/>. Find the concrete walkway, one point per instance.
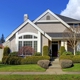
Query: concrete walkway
<point x="54" y="69"/>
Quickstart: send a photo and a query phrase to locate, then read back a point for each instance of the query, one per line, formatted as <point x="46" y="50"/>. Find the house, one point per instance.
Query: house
<point x="47" y="30"/>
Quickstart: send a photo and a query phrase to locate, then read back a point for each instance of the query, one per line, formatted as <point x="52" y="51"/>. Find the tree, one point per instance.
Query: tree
<point x="2" y="40"/>
<point x="72" y="36"/>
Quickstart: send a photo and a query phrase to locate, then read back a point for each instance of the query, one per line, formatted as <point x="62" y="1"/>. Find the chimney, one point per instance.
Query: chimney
<point x="25" y="17"/>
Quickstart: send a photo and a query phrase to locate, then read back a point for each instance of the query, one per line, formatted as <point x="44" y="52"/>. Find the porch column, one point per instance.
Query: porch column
<point x="66" y="45"/>
<point x="62" y="43"/>
<point x="39" y="42"/>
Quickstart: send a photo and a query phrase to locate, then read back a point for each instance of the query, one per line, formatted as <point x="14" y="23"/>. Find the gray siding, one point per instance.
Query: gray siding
<point x="48" y="14"/>
<point x="28" y="28"/>
<point x="52" y="27"/>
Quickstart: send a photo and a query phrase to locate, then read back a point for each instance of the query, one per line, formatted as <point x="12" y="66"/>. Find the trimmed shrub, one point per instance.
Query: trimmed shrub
<point x="43" y="63"/>
<point x="6" y="51"/>
<point x="66" y="63"/>
<point x="26" y="50"/>
<point x="78" y="53"/>
<point x="62" y="49"/>
<point x="75" y="59"/>
<point x="13" y="54"/>
<point x="45" y="51"/>
<point x="4" y="59"/>
<point x="14" y="60"/>
<point x="33" y="59"/>
<point x="67" y="53"/>
<point x="37" y="54"/>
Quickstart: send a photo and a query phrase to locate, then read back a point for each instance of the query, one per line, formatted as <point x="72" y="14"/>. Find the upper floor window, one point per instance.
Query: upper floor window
<point x="48" y="17"/>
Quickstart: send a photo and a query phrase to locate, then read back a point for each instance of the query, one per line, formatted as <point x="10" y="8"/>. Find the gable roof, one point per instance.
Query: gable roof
<point x="60" y="18"/>
<point x="67" y="19"/>
<point x="22" y="25"/>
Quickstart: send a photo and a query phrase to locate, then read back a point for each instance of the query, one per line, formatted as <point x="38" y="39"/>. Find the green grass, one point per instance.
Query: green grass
<point x="75" y="68"/>
<point x="39" y="77"/>
<point x="21" y="68"/>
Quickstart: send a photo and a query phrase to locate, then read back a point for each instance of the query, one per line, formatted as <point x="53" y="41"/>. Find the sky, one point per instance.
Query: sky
<point x="12" y="11"/>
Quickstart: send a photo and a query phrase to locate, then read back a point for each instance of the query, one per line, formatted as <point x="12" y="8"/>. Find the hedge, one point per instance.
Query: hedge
<point x="13" y="60"/>
<point x="33" y="59"/>
<point x="75" y="59"/>
<point x="45" y="50"/>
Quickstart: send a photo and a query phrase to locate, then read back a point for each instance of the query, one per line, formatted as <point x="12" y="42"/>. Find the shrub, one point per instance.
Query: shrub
<point x="6" y="51"/>
<point x="75" y="59"/>
<point x="45" y="51"/>
<point x="62" y="49"/>
<point x="13" y="54"/>
<point x="37" y="54"/>
<point x="33" y="59"/>
<point x="67" y="53"/>
<point x="14" y="60"/>
<point x="78" y="53"/>
<point x="43" y="63"/>
<point x="26" y="50"/>
<point x="66" y="63"/>
<point x="4" y="59"/>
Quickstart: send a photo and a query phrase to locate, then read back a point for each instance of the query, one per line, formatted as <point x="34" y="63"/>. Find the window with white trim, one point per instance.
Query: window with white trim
<point x="27" y="40"/>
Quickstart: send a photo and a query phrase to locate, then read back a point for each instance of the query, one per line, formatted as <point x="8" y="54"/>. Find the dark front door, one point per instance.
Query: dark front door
<point x="54" y="50"/>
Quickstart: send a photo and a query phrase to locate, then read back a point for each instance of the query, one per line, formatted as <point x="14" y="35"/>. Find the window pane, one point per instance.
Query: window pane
<point x="20" y="37"/>
<point x="35" y="37"/>
<point x="27" y="36"/>
<point x="20" y="44"/>
<point x="27" y="43"/>
<point x="35" y="46"/>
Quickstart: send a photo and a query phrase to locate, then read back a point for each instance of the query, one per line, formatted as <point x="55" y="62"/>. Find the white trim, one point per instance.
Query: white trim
<point x="28" y="33"/>
<point x="48" y="21"/>
<point x="28" y="21"/>
<point x="39" y="42"/>
<point x="48" y="37"/>
<point x="27" y="39"/>
<point x="17" y="41"/>
<point x="48" y="11"/>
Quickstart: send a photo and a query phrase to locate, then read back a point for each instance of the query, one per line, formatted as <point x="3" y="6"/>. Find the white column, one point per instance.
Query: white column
<point x="62" y="43"/>
<point x="39" y="42"/>
<point x="17" y="41"/>
<point x="66" y="45"/>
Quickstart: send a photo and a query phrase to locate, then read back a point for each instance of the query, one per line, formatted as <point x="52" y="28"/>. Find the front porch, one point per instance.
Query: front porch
<point x="55" y="45"/>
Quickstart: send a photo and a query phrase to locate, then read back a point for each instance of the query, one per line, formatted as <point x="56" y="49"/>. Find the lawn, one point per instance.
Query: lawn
<point x="21" y="68"/>
<point x="39" y="77"/>
<point x="75" y="68"/>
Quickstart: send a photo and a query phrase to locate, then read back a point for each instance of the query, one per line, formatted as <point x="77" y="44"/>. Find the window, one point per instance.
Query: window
<point x="20" y="44"/>
<point x="27" y="43"/>
<point x="27" y="36"/>
<point x="28" y="40"/>
<point x="48" y="18"/>
<point x="20" y="37"/>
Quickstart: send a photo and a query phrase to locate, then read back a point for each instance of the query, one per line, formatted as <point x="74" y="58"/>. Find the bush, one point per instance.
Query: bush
<point x="66" y="63"/>
<point x="75" y="59"/>
<point x="67" y="53"/>
<point x="33" y="59"/>
<point x="43" y="63"/>
<point x="6" y="51"/>
<point x="26" y="50"/>
<point x="62" y="49"/>
<point x="45" y="51"/>
<point x="11" y="60"/>
<point x="13" y="54"/>
<point x="37" y="54"/>
<point x="4" y="59"/>
<point x="78" y="53"/>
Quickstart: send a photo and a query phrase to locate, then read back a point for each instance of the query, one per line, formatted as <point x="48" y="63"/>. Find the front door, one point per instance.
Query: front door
<point x="54" y="50"/>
